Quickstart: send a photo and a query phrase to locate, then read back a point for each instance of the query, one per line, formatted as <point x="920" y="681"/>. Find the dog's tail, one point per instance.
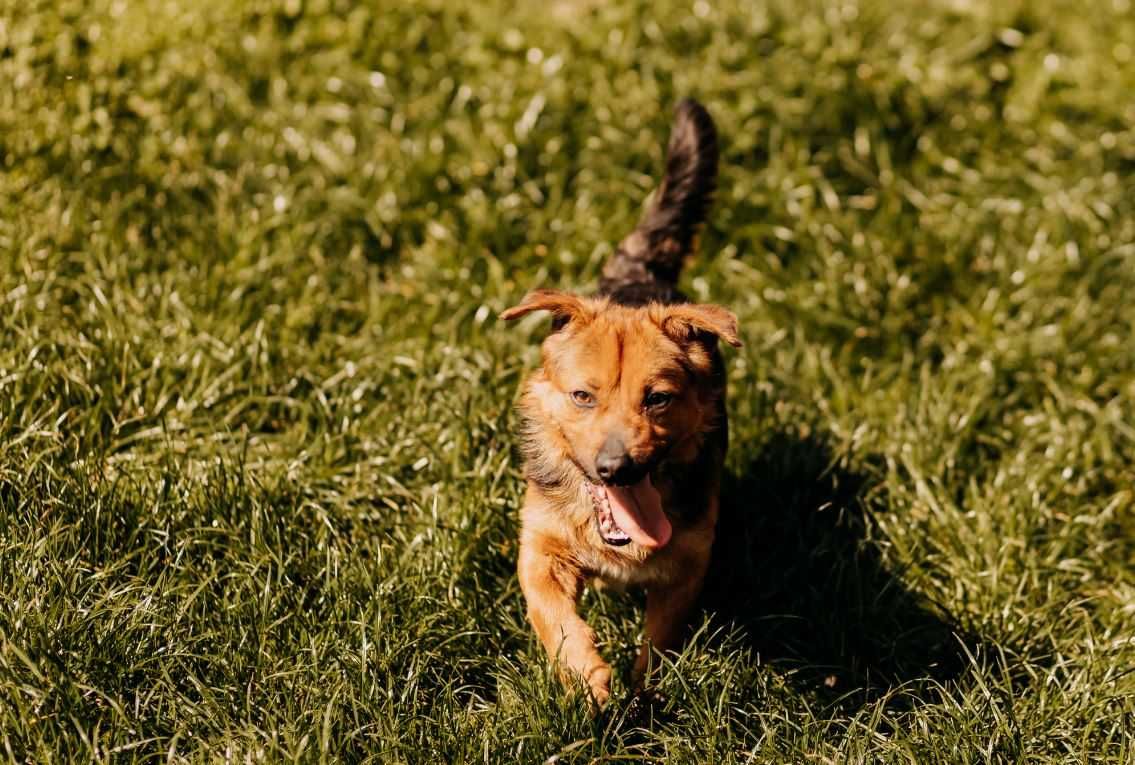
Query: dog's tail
<point x="649" y="260"/>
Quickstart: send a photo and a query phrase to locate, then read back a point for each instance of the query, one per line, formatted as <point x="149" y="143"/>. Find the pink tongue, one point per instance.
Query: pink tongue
<point x="638" y="512"/>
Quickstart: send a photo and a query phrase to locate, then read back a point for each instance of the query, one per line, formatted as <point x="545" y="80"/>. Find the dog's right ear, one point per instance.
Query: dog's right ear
<point x="564" y="307"/>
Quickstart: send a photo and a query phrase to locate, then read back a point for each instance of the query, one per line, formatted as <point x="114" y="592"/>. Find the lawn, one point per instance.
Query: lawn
<point x="258" y="475"/>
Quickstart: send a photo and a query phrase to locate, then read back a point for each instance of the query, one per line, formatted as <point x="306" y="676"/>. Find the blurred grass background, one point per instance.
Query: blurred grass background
<point x="257" y="489"/>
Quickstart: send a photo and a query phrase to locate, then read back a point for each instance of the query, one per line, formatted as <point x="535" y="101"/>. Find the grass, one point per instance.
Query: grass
<point x="258" y="488"/>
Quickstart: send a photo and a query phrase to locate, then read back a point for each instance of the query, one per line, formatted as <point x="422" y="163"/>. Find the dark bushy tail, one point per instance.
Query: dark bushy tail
<point x="647" y="263"/>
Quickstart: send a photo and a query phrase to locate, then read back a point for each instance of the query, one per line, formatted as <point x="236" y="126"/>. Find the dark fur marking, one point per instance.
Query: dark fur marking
<point x="646" y="264"/>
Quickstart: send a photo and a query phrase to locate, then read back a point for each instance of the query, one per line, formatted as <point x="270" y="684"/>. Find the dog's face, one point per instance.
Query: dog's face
<point x="618" y="389"/>
<point x="622" y="388"/>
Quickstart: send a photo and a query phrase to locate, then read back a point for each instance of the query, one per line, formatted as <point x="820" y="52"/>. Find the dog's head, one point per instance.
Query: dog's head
<point x="622" y="388"/>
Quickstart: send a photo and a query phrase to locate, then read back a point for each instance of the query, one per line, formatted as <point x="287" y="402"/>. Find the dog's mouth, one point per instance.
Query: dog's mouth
<point x="625" y="514"/>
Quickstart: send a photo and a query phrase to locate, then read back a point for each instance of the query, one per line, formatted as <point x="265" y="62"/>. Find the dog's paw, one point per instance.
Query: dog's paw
<point x="599" y="683"/>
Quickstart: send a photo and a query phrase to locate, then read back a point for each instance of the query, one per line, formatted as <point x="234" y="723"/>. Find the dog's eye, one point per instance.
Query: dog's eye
<point x="582" y="398"/>
<point x="657" y="399"/>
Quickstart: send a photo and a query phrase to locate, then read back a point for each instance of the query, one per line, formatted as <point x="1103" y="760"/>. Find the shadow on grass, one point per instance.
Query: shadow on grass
<point x="795" y="570"/>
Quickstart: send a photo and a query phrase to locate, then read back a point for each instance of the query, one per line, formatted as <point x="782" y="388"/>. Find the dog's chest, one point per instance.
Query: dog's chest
<point x="623" y="572"/>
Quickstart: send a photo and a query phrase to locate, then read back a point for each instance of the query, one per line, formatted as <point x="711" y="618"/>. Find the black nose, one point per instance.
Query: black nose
<point x="614" y="465"/>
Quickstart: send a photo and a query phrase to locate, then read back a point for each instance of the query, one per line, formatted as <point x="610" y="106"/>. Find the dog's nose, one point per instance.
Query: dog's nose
<point x="613" y="463"/>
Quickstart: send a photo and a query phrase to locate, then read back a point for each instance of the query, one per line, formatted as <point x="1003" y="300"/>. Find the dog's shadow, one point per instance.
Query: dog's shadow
<point x="797" y="576"/>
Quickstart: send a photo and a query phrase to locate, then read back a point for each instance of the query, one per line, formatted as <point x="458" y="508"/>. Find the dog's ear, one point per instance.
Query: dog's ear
<point x="564" y="307"/>
<point x="686" y="320"/>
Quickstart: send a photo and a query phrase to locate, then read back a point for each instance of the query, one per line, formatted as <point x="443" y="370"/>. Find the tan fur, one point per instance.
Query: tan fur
<point x="618" y="353"/>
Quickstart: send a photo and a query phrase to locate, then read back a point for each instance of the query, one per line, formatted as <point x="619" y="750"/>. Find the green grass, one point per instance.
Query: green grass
<point x="258" y="487"/>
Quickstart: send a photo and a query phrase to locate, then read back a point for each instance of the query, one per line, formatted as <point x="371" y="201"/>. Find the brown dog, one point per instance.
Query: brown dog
<point x="624" y="428"/>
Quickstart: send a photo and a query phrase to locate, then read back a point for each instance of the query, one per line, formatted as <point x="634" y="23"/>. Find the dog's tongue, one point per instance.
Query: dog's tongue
<point x="638" y="512"/>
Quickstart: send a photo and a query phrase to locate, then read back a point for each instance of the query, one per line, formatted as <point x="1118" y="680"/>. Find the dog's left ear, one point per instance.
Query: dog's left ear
<point x="564" y="307"/>
<point x="685" y="320"/>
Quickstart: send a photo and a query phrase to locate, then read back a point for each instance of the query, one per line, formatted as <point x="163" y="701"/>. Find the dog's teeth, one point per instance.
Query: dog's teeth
<point x="605" y="518"/>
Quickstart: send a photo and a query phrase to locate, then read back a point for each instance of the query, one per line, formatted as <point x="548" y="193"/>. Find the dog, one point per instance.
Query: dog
<point x="623" y="428"/>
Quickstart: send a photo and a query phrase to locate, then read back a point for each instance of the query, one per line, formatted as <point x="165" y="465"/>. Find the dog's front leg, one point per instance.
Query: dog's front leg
<point x="552" y="587"/>
<point x="668" y="608"/>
